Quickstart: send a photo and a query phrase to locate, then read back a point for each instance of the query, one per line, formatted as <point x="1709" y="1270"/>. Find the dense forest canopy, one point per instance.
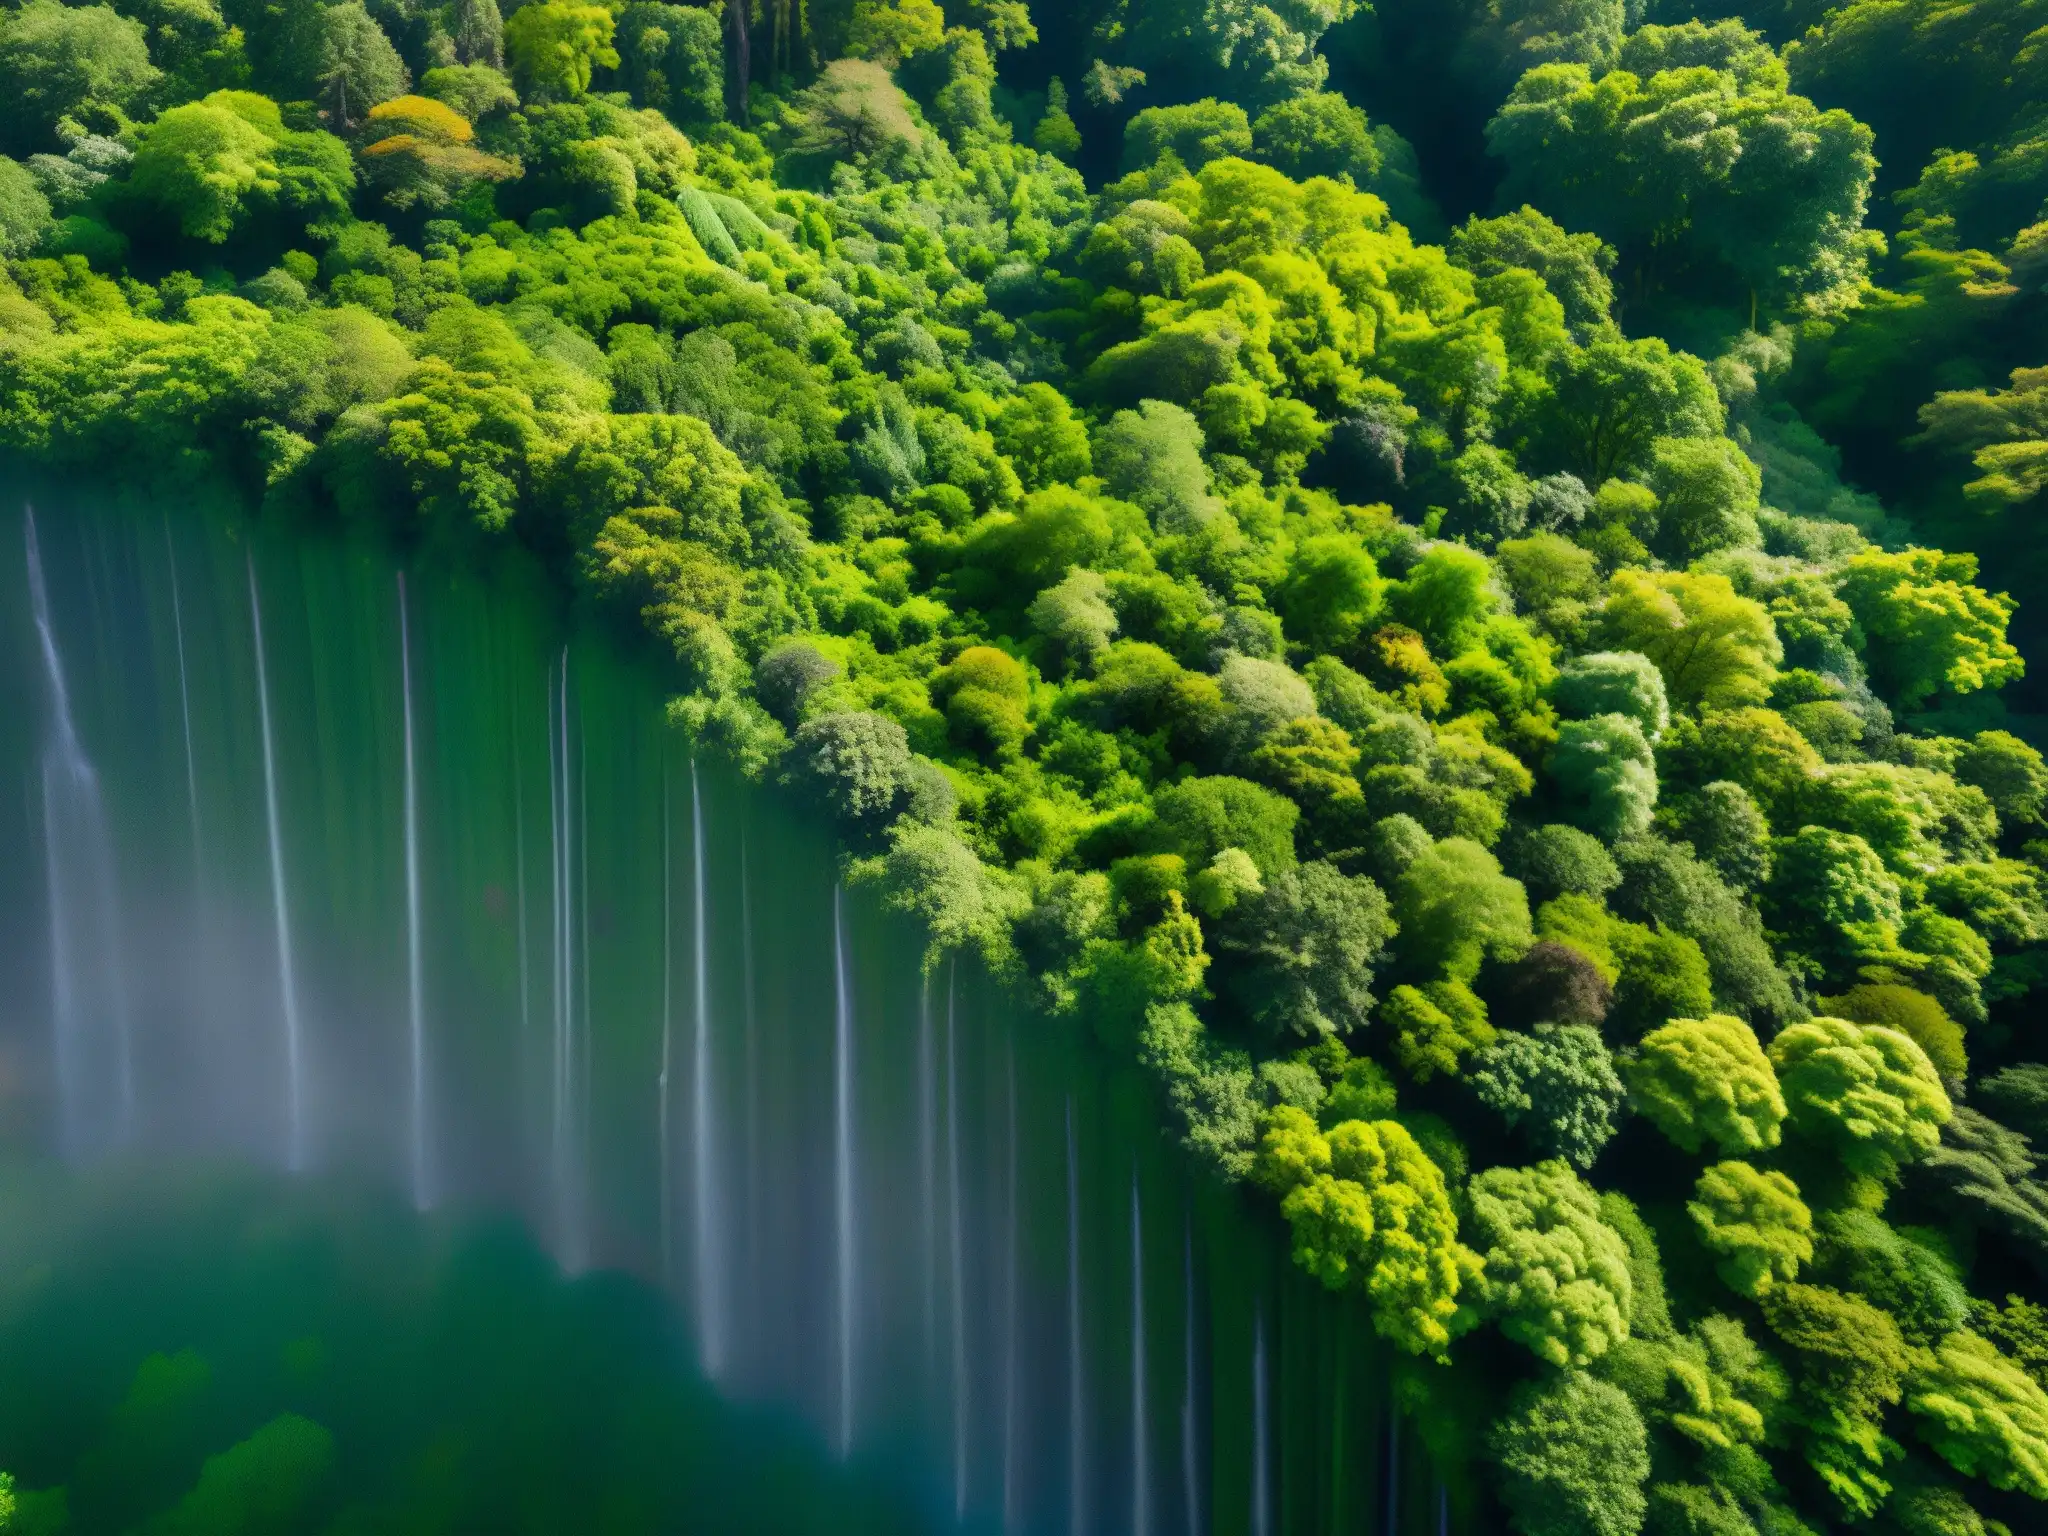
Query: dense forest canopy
<point x="1420" y="570"/>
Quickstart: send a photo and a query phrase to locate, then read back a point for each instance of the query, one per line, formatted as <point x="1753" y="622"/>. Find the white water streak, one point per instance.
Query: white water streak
<point x="1190" y="1489"/>
<point x="185" y="704"/>
<point x="287" y="978"/>
<point x="1262" y="1451"/>
<point x="956" y="1248"/>
<point x="415" y="980"/>
<point x="71" y="793"/>
<point x="710" y="1293"/>
<point x="927" y="1173"/>
<point x="1011" y="1301"/>
<point x="842" y="1172"/>
<point x="666" y="1152"/>
<point x="1077" y="1493"/>
<point x="1141" y="1471"/>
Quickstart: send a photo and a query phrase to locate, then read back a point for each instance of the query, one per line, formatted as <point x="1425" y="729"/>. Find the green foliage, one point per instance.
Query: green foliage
<point x="1983" y="1414"/>
<point x="1252" y="568"/>
<point x="1983" y="1173"/>
<point x="86" y="64"/>
<point x="1574" y="1458"/>
<point x="1302" y="951"/>
<point x="1436" y="1028"/>
<point x="1715" y="648"/>
<point x="1866" y="1093"/>
<point x="24" y="211"/>
<point x="1317" y="133"/>
<point x="1929" y="629"/>
<point x="1607" y="769"/>
<point x="1369" y="1211"/>
<point x="212" y="165"/>
<point x="1852" y="1366"/>
<point x="1556" y="860"/>
<point x="855" y="762"/>
<point x="1193" y="134"/>
<point x="1200" y="817"/>
<point x="1574" y="267"/>
<point x="1455" y="909"/>
<point x="1913" y="1014"/>
<point x="2019" y="1097"/>
<point x="1556" y="1084"/>
<point x="1784" y="227"/>
<point x="1701" y="1080"/>
<point x="1664" y="976"/>
<point x="1613" y="683"/>
<point x="554" y="47"/>
<point x="273" y="1479"/>
<point x="1906" y="1272"/>
<point x="1727" y="829"/>
<point x="1756" y="1221"/>
<point x="1556" y="1276"/>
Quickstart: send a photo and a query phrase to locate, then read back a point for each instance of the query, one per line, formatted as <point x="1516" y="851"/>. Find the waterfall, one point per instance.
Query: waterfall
<point x="287" y="981"/>
<point x="664" y="1151"/>
<point x="415" y="988"/>
<point x="185" y="704"/>
<point x="1393" y="1467"/>
<point x="956" y="1248"/>
<point x="1190" y="1492"/>
<point x="753" y="1066"/>
<point x="1077" y="1501"/>
<point x="842" y="1168"/>
<point x="710" y="1300"/>
<point x="884" y="1264"/>
<point x="1141" y="1475"/>
<point x="1262" y="1493"/>
<point x="927" y="1171"/>
<point x="1011" y="1260"/>
<point x="87" y="963"/>
<point x="564" y="1174"/>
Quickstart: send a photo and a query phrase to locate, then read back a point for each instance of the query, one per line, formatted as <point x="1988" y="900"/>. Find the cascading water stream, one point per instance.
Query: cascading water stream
<point x="927" y="1171"/>
<point x="1011" y="1259"/>
<point x="1077" y="1482"/>
<point x="956" y="1251"/>
<point x="665" y="1151"/>
<point x="869" y="1230"/>
<point x="1393" y="1472"/>
<point x="1262" y="1451"/>
<point x="86" y="970"/>
<point x="415" y="963"/>
<point x="1141" y="1473"/>
<point x="287" y="978"/>
<point x="842" y="1172"/>
<point x="1190" y="1491"/>
<point x="703" y="1131"/>
<point x="185" y="706"/>
<point x="751" y="1051"/>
